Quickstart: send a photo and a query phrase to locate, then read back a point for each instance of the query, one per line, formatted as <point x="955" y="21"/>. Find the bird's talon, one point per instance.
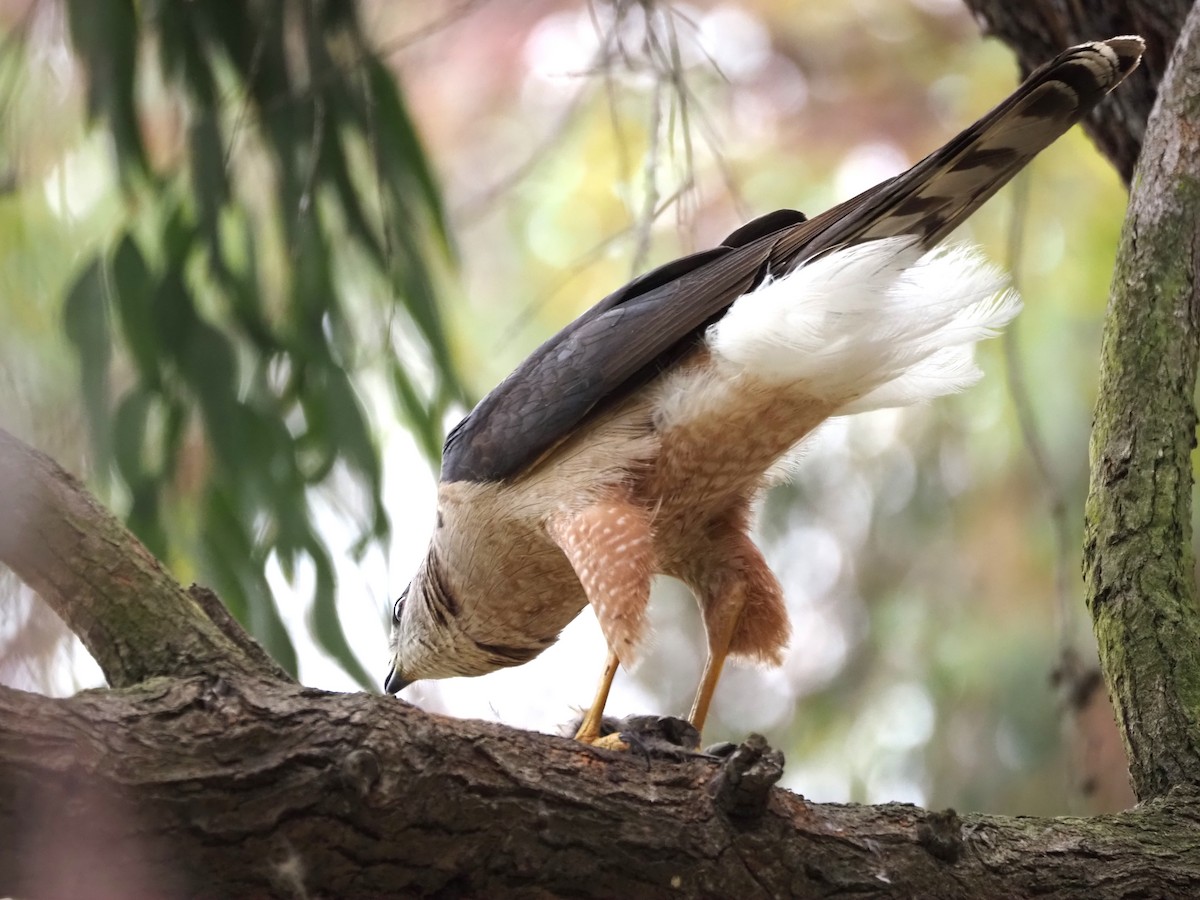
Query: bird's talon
<point x="604" y="742"/>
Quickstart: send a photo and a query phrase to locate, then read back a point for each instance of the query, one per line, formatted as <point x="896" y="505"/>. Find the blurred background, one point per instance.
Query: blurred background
<point x="256" y="258"/>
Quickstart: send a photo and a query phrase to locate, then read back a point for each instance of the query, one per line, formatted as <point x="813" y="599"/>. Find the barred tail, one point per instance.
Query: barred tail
<point x="933" y="197"/>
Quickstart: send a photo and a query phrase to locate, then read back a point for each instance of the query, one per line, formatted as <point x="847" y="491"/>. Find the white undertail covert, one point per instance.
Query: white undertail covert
<point x="874" y="325"/>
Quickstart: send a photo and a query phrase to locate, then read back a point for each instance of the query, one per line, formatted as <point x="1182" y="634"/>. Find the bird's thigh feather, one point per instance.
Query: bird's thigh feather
<point x="610" y="546"/>
<point x="737" y="593"/>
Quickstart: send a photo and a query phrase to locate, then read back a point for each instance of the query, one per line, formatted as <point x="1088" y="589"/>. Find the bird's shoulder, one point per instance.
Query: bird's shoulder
<point x="630" y="337"/>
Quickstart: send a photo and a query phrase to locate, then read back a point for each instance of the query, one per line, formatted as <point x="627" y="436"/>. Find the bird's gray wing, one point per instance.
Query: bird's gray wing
<point x="620" y="343"/>
<point x="641" y="330"/>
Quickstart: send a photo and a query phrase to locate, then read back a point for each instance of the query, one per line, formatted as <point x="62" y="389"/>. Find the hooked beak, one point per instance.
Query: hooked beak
<point x="394" y="681"/>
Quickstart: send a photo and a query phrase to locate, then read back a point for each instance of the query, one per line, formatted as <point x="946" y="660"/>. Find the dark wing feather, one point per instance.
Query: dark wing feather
<point x="608" y="351"/>
<point x="620" y="343"/>
<point x="639" y="331"/>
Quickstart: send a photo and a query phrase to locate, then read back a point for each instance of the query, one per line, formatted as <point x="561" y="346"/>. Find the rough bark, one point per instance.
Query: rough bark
<point x="1037" y="29"/>
<point x="237" y="787"/>
<point x="1138" y="560"/>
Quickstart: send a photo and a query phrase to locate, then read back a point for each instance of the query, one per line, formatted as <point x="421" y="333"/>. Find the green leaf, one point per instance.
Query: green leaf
<point x="319" y="444"/>
<point x="425" y="428"/>
<point x="130" y="283"/>
<point x="314" y="299"/>
<point x="145" y="520"/>
<point x="237" y="571"/>
<point x="265" y="371"/>
<point x="349" y="423"/>
<point x="130" y="425"/>
<point x="183" y="49"/>
<point x="210" y="183"/>
<point x="335" y="168"/>
<point x="325" y="624"/>
<point x="177" y="328"/>
<point x="400" y="145"/>
<point x="178" y="234"/>
<point x="208" y="364"/>
<point x="241" y="289"/>
<point x="105" y="32"/>
<point x="175" y="419"/>
<point x="85" y="321"/>
<point x="410" y="185"/>
<point x="423" y="304"/>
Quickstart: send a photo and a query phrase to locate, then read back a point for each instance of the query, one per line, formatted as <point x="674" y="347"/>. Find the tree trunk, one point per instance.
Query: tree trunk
<point x="1138" y="560"/>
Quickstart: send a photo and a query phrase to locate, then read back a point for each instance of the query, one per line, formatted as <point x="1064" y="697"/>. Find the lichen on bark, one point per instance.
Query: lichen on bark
<point x="1138" y="558"/>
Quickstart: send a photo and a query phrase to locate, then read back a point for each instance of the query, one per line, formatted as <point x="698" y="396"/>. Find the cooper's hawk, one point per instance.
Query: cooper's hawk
<point x="635" y="441"/>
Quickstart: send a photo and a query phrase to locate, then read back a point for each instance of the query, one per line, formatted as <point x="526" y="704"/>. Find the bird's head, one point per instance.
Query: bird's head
<point x="397" y="678"/>
<point x="427" y="639"/>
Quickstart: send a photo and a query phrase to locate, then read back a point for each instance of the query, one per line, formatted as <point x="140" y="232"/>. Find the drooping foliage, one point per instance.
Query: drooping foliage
<point x="282" y="226"/>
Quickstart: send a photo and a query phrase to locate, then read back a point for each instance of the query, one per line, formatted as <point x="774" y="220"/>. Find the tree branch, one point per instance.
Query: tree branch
<point x="215" y="787"/>
<point x="1138" y="559"/>
<point x="130" y="614"/>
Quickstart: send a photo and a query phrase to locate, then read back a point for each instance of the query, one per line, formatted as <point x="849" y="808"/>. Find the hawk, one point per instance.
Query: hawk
<point x="636" y="440"/>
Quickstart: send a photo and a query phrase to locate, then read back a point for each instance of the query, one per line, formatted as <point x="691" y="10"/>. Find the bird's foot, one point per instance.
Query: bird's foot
<point x="605" y="742"/>
<point x="651" y="736"/>
<point x="660" y="735"/>
<point x="604" y="733"/>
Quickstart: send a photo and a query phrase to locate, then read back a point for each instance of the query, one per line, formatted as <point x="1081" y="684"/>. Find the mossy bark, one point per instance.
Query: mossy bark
<point x="1138" y="560"/>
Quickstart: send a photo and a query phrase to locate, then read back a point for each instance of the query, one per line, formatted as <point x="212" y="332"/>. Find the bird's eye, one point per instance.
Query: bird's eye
<point x="399" y="607"/>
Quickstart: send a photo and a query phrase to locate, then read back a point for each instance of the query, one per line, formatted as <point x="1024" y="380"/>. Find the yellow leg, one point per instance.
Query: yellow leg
<point x="720" y="632"/>
<point x="589" y="728"/>
<point x="708" y="684"/>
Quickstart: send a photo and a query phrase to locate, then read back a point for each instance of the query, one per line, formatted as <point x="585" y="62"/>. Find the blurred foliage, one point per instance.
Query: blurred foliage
<point x="278" y="234"/>
<point x="279" y="215"/>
